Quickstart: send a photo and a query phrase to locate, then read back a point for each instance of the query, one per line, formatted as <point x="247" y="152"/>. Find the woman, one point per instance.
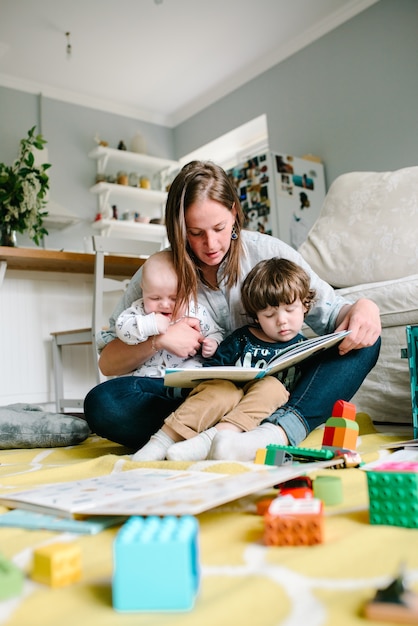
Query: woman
<point x="212" y="255"/>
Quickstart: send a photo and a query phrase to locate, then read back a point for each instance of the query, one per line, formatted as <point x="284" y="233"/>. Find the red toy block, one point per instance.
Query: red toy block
<point x="328" y="438"/>
<point x="344" y="409"/>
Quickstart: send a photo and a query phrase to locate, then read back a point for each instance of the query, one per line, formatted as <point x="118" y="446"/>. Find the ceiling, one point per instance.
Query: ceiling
<point x="156" y="60"/>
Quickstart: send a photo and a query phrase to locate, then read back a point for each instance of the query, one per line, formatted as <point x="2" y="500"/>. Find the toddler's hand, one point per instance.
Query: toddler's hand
<point x="163" y="322"/>
<point x="209" y="347"/>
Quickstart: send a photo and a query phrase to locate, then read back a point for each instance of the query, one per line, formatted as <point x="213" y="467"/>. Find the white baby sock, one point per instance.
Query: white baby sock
<point x="230" y="446"/>
<point x="194" y="449"/>
<point x="155" y="449"/>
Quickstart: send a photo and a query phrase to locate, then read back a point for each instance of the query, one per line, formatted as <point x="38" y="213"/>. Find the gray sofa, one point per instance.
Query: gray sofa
<point x="365" y="244"/>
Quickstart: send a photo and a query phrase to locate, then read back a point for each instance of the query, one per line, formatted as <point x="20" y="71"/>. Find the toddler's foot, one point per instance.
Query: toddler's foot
<point x="229" y="446"/>
<point x="194" y="449"/>
<point x="155" y="449"/>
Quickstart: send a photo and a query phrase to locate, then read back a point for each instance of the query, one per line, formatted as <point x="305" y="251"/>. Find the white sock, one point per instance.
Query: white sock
<point x="194" y="449"/>
<point x="229" y="446"/>
<point x="155" y="449"/>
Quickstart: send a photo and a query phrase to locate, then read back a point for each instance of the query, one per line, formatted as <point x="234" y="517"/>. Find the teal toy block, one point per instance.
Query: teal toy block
<point x="156" y="564"/>
<point x="412" y="351"/>
<point x="393" y="494"/>
<point x="11" y="579"/>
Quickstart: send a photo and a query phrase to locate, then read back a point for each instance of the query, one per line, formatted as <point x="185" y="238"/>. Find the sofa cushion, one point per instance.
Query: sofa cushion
<point x="386" y="392"/>
<point x="29" y="426"/>
<point x="397" y="299"/>
<point x="367" y="229"/>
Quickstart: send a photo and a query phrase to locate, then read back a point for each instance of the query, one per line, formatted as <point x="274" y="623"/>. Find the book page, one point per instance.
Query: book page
<point x="192" y="376"/>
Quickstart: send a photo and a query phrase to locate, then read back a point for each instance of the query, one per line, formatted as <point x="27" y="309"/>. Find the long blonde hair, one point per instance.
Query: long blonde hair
<point x="197" y="181"/>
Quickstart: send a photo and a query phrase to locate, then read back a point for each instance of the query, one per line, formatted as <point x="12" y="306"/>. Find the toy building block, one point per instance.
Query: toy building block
<point x="156" y="564"/>
<point x="57" y="564"/>
<point x="260" y="456"/>
<point x="273" y="455"/>
<point x="340" y="432"/>
<point x="11" y="580"/>
<point x="412" y="353"/>
<point x="393" y="494"/>
<point x="344" y="409"/>
<point x="328" y="489"/>
<point x="300" y="487"/>
<point x="294" y="522"/>
<point x="341" y="429"/>
<point x="262" y="506"/>
<point x="395" y="603"/>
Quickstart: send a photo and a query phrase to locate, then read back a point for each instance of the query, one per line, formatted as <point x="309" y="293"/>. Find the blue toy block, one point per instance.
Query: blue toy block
<point x="156" y="564"/>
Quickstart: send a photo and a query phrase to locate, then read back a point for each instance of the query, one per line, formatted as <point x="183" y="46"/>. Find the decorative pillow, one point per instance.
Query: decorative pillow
<point x="385" y="394"/>
<point x="29" y="426"/>
<point x="367" y="229"/>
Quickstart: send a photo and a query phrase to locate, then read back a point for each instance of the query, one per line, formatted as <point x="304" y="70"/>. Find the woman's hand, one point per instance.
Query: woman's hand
<point x="363" y="319"/>
<point x="183" y="338"/>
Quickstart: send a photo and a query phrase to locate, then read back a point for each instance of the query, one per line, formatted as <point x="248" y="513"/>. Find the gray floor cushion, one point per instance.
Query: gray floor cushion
<point x="29" y="426"/>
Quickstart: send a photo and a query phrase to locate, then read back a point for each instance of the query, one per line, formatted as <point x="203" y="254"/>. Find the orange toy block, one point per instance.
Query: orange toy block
<point x="340" y="432"/>
<point x="294" y="522"/>
<point x="57" y="564"/>
<point x="344" y="409"/>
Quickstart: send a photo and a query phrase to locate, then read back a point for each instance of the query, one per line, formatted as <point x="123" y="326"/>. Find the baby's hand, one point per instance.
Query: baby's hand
<point x="209" y="347"/>
<point x="163" y="322"/>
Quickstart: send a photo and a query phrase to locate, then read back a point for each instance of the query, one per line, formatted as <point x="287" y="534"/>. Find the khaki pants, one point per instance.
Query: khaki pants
<point x="218" y="400"/>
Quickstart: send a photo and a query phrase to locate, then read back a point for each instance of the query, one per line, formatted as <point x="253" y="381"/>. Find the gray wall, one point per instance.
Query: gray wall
<point x="70" y="131"/>
<point x="351" y="97"/>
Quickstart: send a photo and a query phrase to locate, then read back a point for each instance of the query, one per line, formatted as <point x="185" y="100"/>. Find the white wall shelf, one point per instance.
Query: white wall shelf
<point x="145" y="232"/>
<point x="149" y="164"/>
<point x="146" y="202"/>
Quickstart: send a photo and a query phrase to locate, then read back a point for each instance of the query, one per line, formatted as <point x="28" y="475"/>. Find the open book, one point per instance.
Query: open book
<point x="192" y="376"/>
<point x="148" y="491"/>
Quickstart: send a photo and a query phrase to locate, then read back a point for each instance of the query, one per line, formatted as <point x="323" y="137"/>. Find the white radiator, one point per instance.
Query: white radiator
<point x="32" y="305"/>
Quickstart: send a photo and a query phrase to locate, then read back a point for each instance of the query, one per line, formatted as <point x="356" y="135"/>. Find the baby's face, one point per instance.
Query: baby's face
<point x="160" y="292"/>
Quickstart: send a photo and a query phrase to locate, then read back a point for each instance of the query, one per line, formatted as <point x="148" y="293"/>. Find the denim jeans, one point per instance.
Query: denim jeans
<point x="129" y="409"/>
<point x="326" y="378"/>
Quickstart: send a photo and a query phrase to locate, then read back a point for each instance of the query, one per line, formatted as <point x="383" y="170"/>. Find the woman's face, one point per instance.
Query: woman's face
<point x="209" y="226"/>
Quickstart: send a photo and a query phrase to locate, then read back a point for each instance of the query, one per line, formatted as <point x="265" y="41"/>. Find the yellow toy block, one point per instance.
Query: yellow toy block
<point x="260" y="456"/>
<point x="57" y="564"/>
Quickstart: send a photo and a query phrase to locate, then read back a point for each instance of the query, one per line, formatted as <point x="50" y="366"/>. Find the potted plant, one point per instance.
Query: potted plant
<point x="23" y="189"/>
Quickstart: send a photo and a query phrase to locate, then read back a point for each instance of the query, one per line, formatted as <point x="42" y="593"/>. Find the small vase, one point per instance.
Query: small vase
<point x="7" y="235"/>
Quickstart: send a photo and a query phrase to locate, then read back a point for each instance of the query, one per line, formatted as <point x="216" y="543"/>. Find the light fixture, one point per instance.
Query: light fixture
<point x="68" y="48"/>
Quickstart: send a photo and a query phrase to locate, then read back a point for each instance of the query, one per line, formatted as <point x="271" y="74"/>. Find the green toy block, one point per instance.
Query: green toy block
<point x="11" y="579"/>
<point x="393" y="494"/>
